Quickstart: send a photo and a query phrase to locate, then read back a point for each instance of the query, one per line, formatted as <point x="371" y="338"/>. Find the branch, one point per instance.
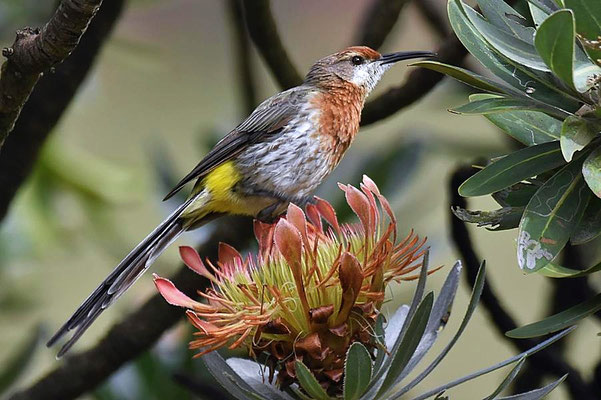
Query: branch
<point x="244" y="68"/>
<point x="35" y="51"/>
<point x="264" y="34"/>
<point x="546" y="360"/>
<point x="435" y="14"/>
<point x="47" y="102"/>
<point x="136" y="333"/>
<point x="378" y="21"/>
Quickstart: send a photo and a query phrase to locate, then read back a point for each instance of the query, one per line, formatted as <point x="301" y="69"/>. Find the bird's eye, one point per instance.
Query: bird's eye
<point x="357" y="60"/>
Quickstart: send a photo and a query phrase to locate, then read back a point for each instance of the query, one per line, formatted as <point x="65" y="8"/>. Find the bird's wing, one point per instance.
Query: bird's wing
<point x="267" y="119"/>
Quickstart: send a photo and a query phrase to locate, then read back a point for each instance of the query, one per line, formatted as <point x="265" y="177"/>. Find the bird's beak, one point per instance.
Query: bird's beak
<point x="405" y="55"/>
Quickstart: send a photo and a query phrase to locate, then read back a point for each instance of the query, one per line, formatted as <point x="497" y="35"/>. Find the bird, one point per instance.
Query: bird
<point x="278" y="155"/>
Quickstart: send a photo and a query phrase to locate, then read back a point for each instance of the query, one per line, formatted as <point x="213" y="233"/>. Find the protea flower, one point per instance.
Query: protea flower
<point x="314" y="287"/>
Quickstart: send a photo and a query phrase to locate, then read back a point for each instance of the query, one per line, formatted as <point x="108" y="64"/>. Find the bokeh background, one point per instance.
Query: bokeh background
<point x="161" y="92"/>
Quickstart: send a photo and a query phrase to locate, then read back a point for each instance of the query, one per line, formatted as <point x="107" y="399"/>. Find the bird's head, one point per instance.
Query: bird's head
<point x="358" y="65"/>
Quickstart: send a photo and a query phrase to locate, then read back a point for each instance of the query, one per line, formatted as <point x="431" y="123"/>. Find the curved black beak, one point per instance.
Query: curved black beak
<point x="405" y="55"/>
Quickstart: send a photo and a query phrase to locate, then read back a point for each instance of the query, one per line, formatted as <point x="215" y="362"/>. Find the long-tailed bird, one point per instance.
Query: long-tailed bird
<point x="278" y="155"/>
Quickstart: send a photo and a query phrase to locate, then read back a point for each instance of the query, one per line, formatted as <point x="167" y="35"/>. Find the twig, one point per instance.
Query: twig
<point x="264" y="34"/>
<point x="244" y="68"/>
<point x="47" y="102"/>
<point x="434" y="12"/>
<point x="35" y="51"/>
<point x="546" y="360"/>
<point x="136" y="333"/>
<point x="378" y="21"/>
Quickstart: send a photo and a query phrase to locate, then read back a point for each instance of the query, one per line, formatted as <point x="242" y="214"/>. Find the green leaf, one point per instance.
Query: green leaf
<point x="227" y="377"/>
<point x="463" y="75"/>
<point x="502" y="364"/>
<point x="554" y="41"/>
<point x="357" y="371"/>
<point x="411" y="339"/>
<point x="528" y="127"/>
<point x="513" y="168"/>
<point x="517" y="195"/>
<point x="536" y="394"/>
<point x="508" y="379"/>
<point x="558" y="321"/>
<point x="17" y="363"/>
<point x="546" y="6"/>
<point x="553" y="270"/>
<point x="588" y="21"/>
<point x="551" y="216"/>
<point x="474" y="300"/>
<point x="591" y="169"/>
<point x="504" y="17"/>
<point x="589" y="227"/>
<point x="525" y="83"/>
<point x="576" y="133"/>
<point x="502" y="104"/>
<point x="512" y="47"/>
<point x="538" y="15"/>
<point x="309" y="383"/>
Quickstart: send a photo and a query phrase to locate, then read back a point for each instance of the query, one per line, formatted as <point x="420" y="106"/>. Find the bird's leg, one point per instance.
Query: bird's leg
<point x="268" y="214"/>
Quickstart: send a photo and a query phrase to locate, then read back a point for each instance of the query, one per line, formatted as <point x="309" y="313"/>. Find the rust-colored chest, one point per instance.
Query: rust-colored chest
<point x="340" y="113"/>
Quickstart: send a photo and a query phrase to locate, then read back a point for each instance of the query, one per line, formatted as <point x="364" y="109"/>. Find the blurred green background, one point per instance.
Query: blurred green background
<point x="164" y="89"/>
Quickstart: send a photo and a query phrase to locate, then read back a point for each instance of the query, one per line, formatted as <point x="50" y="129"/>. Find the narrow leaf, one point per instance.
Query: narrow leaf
<point x="551" y="216"/>
<point x="357" y="371"/>
<point x="507" y="381"/>
<point x="495" y="367"/>
<point x="588" y="22"/>
<point x="528" y="127"/>
<point x="227" y="377"/>
<point x="547" y="6"/>
<point x="257" y="377"/>
<point x="512" y="47"/>
<point x="465" y="76"/>
<point x="558" y="321"/>
<point x="474" y="300"/>
<point x="503" y="104"/>
<point x="589" y="227"/>
<point x="401" y="357"/>
<point x="309" y="383"/>
<point x="513" y="168"/>
<point x="504" y="17"/>
<point x="591" y="170"/>
<point x="536" y="394"/>
<point x="576" y="133"/>
<point x="554" y="41"/>
<point x="525" y="82"/>
<point x="553" y="270"/>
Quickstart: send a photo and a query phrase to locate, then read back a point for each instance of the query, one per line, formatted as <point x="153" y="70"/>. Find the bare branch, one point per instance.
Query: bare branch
<point x="264" y="34"/>
<point x="378" y="21"/>
<point x="35" y="51"/>
<point x="244" y="67"/>
<point x="135" y="334"/>
<point x="47" y="102"/>
<point x="435" y="13"/>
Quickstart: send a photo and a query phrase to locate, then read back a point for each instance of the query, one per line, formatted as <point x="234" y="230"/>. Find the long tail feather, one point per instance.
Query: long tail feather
<point x="121" y="278"/>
